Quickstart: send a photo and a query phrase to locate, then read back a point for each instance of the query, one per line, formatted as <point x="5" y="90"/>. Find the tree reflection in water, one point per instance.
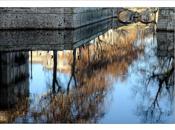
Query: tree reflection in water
<point x="94" y="68"/>
<point x="156" y="89"/>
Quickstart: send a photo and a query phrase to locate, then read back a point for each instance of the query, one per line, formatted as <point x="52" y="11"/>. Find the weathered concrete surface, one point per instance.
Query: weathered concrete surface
<point x="71" y="18"/>
<point x="52" y="18"/>
<point x="53" y="39"/>
<point x="166" y="19"/>
<point x="165" y="43"/>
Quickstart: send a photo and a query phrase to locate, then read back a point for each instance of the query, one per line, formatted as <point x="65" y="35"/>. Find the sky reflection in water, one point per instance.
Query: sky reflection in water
<point x="118" y="78"/>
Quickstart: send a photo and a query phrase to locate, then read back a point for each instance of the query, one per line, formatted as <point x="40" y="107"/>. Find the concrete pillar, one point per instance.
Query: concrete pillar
<point x="165" y="44"/>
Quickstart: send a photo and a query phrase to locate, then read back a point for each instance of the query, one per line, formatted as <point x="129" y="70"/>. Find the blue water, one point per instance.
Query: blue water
<point x="129" y="97"/>
<point x="107" y="85"/>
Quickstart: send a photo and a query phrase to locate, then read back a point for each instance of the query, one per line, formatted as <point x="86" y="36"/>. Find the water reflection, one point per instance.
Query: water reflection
<point x="94" y="82"/>
<point x="14" y="84"/>
<point x="154" y="90"/>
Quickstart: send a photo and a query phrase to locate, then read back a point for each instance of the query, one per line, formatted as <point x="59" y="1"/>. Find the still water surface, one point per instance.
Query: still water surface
<point x="125" y="75"/>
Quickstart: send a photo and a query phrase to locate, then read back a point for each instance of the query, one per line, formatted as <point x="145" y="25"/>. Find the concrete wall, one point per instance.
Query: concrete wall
<point x="52" y="18"/>
<point x="166" y="19"/>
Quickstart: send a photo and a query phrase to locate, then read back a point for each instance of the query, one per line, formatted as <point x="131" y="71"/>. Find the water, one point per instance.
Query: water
<point x="120" y="75"/>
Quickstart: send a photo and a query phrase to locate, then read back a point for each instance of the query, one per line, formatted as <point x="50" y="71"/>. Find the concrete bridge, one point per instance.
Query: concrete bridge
<point x="71" y="18"/>
<point x="62" y="28"/>
<point x="53" y="18"/>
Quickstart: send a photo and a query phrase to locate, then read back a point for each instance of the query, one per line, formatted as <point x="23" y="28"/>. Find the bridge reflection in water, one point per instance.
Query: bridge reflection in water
<point x="106" y="75"/>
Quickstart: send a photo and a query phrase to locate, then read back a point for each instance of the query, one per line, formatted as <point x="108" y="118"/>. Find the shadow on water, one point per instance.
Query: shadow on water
<point x="80" y="83"/>
<point x="14" y="85"/>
